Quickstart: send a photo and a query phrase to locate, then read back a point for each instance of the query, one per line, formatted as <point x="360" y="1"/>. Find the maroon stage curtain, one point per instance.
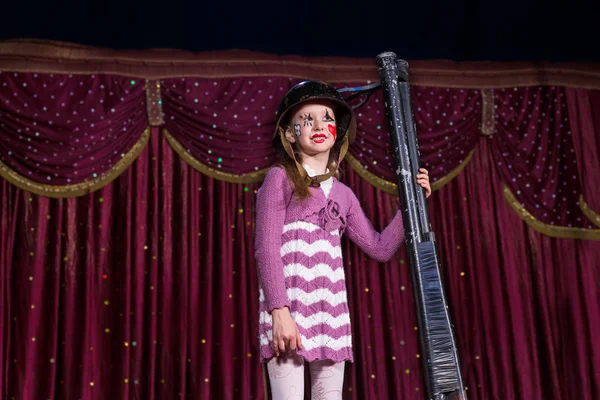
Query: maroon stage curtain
<point x="525" y="306"/>
<point x="147" y="289"/>
<point x="144" y="289"/>
<point x="126" y="251"/>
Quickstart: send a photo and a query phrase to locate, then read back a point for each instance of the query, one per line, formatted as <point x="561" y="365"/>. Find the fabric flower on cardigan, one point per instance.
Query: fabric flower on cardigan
<point x="329" y="217"/>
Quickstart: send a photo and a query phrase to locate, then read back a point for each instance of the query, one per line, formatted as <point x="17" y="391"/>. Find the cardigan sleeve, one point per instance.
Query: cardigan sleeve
<point x="379" y="246"/>
<point x="271" y="203"/>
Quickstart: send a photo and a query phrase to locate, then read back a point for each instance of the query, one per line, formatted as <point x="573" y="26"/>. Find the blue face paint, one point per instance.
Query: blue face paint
<point x="297" y="129"/>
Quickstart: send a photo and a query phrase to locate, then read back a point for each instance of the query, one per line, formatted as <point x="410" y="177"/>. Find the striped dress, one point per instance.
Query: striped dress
<point x="299" y="256"/>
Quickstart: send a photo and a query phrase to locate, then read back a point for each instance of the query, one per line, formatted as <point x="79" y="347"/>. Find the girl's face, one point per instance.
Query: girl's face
<point x="312" y="127"/>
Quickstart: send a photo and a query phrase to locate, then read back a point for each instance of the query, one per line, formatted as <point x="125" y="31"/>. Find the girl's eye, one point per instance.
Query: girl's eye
<point x="327" y="117"/>
<point x="307" y="119"/>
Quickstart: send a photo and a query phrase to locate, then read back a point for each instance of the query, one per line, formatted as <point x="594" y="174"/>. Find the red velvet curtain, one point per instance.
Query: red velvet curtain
<point x="524" y="305"/>
<point x="146" y="287"/>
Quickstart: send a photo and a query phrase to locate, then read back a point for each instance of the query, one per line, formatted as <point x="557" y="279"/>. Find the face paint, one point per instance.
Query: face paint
<point x="297" y="129"/>
<point x="332" y="130"/>
<point x="327" y="117"/>
<point x="308" y="121"/>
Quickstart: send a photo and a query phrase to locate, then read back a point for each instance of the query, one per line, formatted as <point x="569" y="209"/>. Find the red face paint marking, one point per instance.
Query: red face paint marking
<point x="332" y="130"/>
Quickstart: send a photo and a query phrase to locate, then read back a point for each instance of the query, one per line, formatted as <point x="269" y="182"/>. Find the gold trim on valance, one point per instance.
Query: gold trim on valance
<point x="251" y="177"/>
<point x="547" y="229"/>
<point x="154" y="103"/>
<point x="588" y="212"/>
<point x="78" y="189"/>
<point x="488" y="112"/>
<point x="391" y="187"/>
<point x="43" y="56"/>
<point x="258" y="176"/>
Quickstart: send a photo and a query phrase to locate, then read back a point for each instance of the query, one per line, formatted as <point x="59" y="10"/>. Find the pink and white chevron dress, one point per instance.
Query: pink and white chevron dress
<point x="300" y="262"/>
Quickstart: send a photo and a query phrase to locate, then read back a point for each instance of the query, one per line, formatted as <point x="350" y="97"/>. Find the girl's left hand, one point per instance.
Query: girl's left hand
<point x="423" y="180"/>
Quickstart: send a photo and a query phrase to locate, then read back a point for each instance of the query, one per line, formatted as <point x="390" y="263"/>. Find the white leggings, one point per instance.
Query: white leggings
<point x="286" y="376"/>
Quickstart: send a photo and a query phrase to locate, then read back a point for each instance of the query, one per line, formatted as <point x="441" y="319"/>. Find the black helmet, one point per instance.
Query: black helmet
<point x="317" y="90"/>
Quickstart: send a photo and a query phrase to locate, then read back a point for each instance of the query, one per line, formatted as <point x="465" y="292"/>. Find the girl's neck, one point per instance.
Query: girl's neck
<point x="318" y="162"/>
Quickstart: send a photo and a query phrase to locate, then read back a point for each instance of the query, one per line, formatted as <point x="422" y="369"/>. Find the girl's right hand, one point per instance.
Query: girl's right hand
<point x="286" y="335"/>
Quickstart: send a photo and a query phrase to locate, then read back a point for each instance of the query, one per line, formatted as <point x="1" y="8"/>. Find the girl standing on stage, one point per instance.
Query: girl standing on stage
<point x="302" y="210"/>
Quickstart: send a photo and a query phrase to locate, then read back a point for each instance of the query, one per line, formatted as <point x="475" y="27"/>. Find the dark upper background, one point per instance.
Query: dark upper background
<point x="461" y="30"/>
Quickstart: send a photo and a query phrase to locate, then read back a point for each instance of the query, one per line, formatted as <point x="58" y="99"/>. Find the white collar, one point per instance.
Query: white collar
<point x="311" y="172"/>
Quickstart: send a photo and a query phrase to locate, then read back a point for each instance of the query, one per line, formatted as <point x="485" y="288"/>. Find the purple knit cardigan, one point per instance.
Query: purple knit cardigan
<point x="276" y="206"/>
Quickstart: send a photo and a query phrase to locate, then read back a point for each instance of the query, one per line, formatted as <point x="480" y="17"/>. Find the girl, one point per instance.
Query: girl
<point x="302" y="210"/>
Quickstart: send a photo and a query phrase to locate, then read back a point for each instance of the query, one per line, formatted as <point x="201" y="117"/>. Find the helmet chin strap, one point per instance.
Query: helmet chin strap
<point x="313" y="181"/>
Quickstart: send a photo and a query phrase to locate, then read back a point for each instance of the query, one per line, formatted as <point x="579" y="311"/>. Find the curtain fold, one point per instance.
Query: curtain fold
<point x="65" y="135"/>
<point x="147" y="289"/>
<point x="584" y="108"/>
<point x="524" y="305"/>
<point x="144" y="289"/>
<point x="81" y="132"/>
<point x="140" y="283"/>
